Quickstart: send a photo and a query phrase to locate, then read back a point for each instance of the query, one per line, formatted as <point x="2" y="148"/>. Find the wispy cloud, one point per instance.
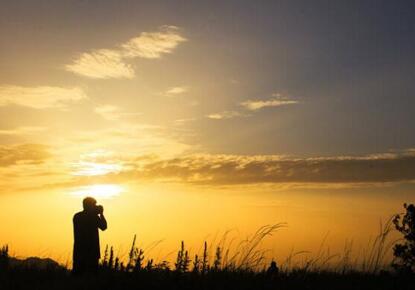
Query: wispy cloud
<point x="254" y="105"/>
<point x="101" y="64"/>
<point x="112" y="63"/>
<point x="173" y="91"/>
<point x="108" y="112"/>
<point x="23" y="154"/>
<point x="153" y="44"/>
<point x="251" y="106"/>
<point x="224" y="115"/>
<point x="183" y="121"/>
<point x="112" y="113"/>
<point x="41" y="97"/>
<point x="25" y="130"/>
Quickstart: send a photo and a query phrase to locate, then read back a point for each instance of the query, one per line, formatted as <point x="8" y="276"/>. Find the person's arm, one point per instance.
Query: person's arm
<point x="102" y="222"/>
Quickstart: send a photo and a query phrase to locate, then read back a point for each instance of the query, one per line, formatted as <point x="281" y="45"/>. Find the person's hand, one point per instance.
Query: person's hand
<point x="100" y="209"/>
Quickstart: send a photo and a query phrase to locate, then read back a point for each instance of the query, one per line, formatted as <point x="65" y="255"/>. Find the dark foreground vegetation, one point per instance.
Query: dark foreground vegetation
<point x="240" y="267"/>
<point x="25" y="278"/>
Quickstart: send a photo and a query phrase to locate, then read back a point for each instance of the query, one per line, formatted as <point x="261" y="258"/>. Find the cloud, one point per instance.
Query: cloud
<point x="183" y="121"/>
<point x="112" y="63"/>
<point x="130" y="138"/>
<point x="23" y="154"/>
<point x="108" y="112"/>
<point x="101" y="64"/>
<point x="25" y="130"/>
<point x="254" y="105"/>
<point x="224" y="115"/>
<point x="257" y="169"/>
<point x="113" y="113"/>
<point x="176" y="91"/>
<point x="208" y="169"/>
<point x="41" y="97"/>
<point x="153" y="44"/>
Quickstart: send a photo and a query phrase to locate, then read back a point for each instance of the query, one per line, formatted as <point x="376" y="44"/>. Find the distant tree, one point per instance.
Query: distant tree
<point x="405" y="252"/>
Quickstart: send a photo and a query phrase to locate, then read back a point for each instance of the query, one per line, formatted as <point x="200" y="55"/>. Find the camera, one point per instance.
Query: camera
<point x="99" y="209"/>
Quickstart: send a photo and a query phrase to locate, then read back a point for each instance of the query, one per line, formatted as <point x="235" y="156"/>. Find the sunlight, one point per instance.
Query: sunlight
<point x="99" y="191"/>
<point x="85" y="168"/>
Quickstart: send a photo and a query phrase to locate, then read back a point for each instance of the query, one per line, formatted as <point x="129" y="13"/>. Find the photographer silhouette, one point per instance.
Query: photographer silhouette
<point x="86" y="251"/>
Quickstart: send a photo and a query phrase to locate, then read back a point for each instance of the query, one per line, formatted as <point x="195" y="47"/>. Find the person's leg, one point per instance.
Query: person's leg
<point x="92" y="265"/>
<point x="78" y="267"/>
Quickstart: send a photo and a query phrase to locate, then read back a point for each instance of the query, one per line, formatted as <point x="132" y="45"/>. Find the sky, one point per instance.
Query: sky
<point x="189" y="118"/>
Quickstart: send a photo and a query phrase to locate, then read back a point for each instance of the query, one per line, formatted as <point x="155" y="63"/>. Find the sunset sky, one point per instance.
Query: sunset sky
<point x="189" y="118"/>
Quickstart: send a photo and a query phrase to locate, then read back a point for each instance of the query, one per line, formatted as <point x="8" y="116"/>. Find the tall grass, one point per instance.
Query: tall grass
<point x="372" y="259"/>
<point x="248" y="255"/>
<point x="378" y="249"/>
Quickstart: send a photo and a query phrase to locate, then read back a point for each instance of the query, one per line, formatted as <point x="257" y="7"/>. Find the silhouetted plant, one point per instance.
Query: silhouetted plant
<point x="179" y="259"/>
<point x="196" y="264"/>
<point x="344" y="264"/>
<point x="183" y="260"/>
<point x="379" y="248"/>
<point x="139" y="259"/>
<point x="105" y="259"/>
<point x="149" y="265"/>
<point x="218" y="259"/>
<point x="186" y="262"/>
<point x="249" y="255"/>
<point x="164" y="266"/>
<point x="111" y="259"/>
<point x="131" y="255"/>
<point x="405" y="252"/>
<point x="205" y="261"/>
<point x="4" y="257"/>
<point x="136" y="259"/>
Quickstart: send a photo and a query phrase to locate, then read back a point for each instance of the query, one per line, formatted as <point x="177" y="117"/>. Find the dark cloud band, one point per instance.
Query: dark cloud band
<point x="223" y="169"/>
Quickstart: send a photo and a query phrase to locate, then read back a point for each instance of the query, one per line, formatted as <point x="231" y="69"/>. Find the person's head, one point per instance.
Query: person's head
<point x="89" y="204"/>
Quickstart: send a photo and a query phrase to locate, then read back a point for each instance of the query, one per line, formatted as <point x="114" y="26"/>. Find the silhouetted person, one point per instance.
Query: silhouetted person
<point x="273" y="270"/>
<point x="86" y="223"/>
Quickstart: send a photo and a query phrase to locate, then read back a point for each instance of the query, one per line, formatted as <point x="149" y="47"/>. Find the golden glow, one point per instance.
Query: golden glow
<point x="99" y="191"/>
<point x="174" y="213"/>
<point x="177" y="150"/>
<point x="84" y="168"/>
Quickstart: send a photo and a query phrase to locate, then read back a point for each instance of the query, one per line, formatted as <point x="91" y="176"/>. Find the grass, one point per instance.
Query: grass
<point x="226" y="264"/>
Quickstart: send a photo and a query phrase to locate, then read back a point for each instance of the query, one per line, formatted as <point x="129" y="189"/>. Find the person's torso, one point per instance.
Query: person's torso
<point x="86" y="229"/>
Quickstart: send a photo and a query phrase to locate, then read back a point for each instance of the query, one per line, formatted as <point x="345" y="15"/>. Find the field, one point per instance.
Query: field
<point x="219" y="266"/>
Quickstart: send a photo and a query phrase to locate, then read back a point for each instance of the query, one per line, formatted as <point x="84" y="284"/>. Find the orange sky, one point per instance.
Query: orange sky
<point x="185" y="124"/>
